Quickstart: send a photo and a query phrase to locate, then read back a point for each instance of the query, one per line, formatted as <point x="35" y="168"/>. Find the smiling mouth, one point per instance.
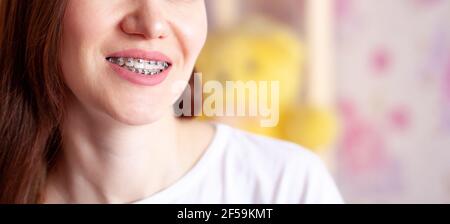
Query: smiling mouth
<point x="140" y="66"/>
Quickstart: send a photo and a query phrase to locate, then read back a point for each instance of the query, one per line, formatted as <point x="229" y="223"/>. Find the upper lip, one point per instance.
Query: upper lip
<point x="141" y="54"/>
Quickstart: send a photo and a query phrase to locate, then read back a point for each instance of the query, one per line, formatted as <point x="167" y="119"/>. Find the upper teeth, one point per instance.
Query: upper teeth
<point x="140" y="66"/>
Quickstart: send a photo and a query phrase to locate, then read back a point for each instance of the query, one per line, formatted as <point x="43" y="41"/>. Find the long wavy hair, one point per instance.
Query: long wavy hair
<point x="32" y="95"/>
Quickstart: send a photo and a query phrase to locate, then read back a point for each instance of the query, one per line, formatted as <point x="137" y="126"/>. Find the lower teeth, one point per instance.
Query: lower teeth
<point x="143" y="71"/>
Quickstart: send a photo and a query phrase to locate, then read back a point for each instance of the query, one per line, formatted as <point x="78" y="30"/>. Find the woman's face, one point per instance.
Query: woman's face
<point x="126" y="58"/>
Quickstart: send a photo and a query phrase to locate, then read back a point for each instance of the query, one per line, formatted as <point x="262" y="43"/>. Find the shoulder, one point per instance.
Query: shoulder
<point x="286" y="171"/>
<point x="271" y="152"/>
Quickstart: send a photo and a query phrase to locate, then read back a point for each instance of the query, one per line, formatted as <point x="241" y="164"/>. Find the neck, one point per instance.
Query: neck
<point x="104" y="161"/>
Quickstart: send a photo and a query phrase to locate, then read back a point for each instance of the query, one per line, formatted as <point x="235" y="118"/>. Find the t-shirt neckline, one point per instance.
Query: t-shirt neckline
<point x="188" y="179"/>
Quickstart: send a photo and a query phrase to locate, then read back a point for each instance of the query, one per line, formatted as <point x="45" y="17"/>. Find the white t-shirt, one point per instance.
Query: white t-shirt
<point x="243" y="168"/>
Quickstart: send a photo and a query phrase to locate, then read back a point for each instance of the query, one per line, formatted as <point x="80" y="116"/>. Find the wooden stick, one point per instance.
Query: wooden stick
<point x="320" y="53"/>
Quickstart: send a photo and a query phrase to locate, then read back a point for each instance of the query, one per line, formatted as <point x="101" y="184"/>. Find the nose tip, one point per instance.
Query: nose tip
<point x="145" y="22"/>
<point x="159" y="29"/>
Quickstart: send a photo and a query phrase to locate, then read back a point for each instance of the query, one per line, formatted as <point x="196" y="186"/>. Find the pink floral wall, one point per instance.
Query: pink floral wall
<point x="393" y="61"/>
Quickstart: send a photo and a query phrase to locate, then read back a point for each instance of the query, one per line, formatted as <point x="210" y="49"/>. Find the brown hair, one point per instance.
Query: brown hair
<point x="31" y="95"/>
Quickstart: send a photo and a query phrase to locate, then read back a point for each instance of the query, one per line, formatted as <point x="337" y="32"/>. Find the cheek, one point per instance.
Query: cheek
<point x="80" y="61"/>
<point x="80" y="14"/>
<point x="193" y="36"/>
<point x="78" y="29"/>
<point x="79" y="40"/>
<point x="81" y="34"/>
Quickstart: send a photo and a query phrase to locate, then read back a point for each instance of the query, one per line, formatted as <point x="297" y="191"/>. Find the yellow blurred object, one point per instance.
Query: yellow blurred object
<point x="254" y="127"/>
<point x="313" y="128"/>
<point x="262" y="50"/>
<point x="259" y="49"/>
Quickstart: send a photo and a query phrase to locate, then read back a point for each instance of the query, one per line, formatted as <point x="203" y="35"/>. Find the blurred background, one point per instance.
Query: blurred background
<point x="363" y="83"/>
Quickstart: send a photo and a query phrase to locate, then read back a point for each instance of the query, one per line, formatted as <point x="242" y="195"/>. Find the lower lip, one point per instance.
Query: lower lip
<point x="138" y="79"/>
